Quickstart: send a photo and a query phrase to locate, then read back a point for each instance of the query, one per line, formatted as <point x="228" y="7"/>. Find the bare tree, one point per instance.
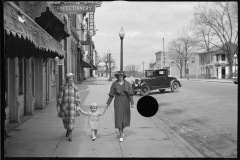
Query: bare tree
<point x="131" y="69"/>
<point x="183" y="48"/>
<point x="222" y="20"/>
<point x="105" y="59"/>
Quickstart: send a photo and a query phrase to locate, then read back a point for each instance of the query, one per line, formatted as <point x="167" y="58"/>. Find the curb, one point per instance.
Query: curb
<point x="208" y="80"/>
<point x="178" y="137"/>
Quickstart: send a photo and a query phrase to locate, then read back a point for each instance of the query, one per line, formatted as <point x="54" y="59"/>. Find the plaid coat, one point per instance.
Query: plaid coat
<point x="68" y="97"/>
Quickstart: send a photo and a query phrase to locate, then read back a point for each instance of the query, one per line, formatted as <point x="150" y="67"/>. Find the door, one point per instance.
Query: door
<point x="160" y="79"/>
<point x="223" y="73"/>
<point x="21" y="86"/>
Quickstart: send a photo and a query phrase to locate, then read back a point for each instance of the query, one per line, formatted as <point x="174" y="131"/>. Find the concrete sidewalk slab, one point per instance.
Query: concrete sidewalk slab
<point x="43" y="135"/>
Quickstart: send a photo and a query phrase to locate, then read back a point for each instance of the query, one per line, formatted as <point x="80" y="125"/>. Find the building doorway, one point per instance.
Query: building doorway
<point x="223" y="73"/>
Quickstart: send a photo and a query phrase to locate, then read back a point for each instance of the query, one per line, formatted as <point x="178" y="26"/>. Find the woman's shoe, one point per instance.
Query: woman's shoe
<point x="70" y="136"/>
<point x="93" y="138"/>
<point x="121" y="139"/>
<point x="67" y="134"/>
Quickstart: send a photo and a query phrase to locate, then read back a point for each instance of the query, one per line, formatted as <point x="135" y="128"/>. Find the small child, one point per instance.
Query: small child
<point x="93" y="118"/>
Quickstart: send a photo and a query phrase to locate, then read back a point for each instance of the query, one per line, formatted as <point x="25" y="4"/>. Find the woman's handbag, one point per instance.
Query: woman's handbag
<point x="60" y="114"/>
<point x="77" y="107"/>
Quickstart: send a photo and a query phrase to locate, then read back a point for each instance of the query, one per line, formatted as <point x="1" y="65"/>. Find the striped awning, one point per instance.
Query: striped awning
<point x="27" y="39"/>
<point x="86" y="64"/>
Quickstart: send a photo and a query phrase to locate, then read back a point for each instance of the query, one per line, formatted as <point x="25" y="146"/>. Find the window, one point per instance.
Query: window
<point x="161" y="73"/>
<point x="223" y="57"/>
<point x="217" y="57"/>
<point x="20" y="72"/>
<point x="6" y="81"/>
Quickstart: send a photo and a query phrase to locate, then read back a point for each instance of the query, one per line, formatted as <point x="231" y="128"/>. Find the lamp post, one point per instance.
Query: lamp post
<point x="163" y="55"/>
<point x="235" y="58"/>
<point x="106" y="66"/>
<point x="187" y="71"/>
<point x="109" y="54"/>
<point x="121" y="35"/>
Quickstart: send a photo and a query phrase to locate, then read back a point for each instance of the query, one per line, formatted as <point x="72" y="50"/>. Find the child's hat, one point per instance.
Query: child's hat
<point x="93" y="104"/>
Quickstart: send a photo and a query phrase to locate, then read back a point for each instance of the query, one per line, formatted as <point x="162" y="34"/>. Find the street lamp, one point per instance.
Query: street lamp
<point x="235" y="58"/>
<point x="109" y="54"/>
<point x="187" y="71"/>
<point x="121" y="35"/>
<point x="106" y="66"/>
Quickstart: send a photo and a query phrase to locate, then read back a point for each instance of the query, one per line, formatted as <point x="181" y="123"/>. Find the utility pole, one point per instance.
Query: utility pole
<point x="163" y="55"/>
<point x="143" y="68"/>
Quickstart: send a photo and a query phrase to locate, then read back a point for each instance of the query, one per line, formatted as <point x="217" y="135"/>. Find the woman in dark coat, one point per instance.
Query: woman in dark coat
<point x="122" y="91"/>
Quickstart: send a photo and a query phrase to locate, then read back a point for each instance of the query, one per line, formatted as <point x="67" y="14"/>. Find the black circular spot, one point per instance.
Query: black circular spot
<point x="147" y="106"/>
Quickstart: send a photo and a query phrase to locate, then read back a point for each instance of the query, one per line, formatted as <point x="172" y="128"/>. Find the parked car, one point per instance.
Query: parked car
<point x="155" y="79"/>
<point x="235" y="77"/>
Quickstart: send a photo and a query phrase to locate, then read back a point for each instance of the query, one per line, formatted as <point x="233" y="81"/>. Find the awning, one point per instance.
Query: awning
<point x="86" y="64"/>
<point x="46" y="16"/>
<point x="27" y="39"/>
<point x="93" y="67"/>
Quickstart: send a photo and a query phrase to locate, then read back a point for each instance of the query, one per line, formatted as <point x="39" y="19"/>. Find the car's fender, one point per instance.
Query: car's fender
<point x="144" y="83"/>
<point x="174" y="80"/>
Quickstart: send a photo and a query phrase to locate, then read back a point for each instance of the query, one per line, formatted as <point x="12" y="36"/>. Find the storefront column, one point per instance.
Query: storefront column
<point x="14" y="105"/>
<point x="39" y="98"/>
<point x="29" y="99"/>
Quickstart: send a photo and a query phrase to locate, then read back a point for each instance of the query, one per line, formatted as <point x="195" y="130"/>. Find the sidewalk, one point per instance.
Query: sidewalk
<point x="209" y="80"/>
<point x="43" y="134"/>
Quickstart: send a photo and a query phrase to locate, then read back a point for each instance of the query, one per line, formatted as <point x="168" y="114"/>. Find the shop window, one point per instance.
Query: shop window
<point x="20" y="69"/>
<point x="6" y="81"/>
<point x="32" y="68"/>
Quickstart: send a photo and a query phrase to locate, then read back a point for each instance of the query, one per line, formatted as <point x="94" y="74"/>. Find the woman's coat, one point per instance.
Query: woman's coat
<point x="123" y="96"/>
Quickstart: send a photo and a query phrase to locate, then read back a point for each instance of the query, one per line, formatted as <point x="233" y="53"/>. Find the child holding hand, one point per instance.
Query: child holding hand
<point x="93" y="118"/>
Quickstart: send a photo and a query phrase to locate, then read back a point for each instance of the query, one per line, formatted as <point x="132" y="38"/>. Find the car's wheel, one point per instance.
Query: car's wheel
<point x="175" y="87"/>
<point x="145" y="90"/>
<point x="235" y="82"/>
<point x="162" y="90"/>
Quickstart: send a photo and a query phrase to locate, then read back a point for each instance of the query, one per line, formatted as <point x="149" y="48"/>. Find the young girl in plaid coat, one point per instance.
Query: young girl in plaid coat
<point x="93" y="118"/>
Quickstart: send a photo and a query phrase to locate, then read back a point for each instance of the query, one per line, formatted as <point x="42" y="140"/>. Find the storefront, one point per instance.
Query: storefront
<point x="30" y="54"/>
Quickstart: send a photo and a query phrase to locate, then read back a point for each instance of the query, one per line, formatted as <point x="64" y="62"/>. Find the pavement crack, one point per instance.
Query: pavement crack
<point x="58" y="144"/>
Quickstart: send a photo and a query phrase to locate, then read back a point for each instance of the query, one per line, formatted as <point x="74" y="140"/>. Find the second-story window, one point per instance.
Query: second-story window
<point x="223" y="57"/>
<point x="217" y="57"/>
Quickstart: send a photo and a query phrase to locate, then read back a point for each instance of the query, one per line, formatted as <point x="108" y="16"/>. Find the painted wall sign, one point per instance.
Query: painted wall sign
<point x="91" y="31"/>
<point x="74" y="8"/>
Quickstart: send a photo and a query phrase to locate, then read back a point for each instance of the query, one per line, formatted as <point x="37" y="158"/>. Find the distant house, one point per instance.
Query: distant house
<point x="214" y="64"/>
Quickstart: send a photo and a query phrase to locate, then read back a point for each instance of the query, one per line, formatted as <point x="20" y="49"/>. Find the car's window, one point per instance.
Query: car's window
<point x="149" y="73"/>
<point x="160" y="73"/>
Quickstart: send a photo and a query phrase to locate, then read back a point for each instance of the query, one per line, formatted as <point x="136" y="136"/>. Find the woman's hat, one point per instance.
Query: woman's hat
<point x="120" y="73"/>
<point x="69" y="75"/>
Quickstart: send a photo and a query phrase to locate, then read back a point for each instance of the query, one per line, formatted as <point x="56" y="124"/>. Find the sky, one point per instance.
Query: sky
<point x="145" y="25"/>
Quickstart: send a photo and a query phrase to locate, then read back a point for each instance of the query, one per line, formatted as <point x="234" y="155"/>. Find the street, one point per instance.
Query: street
<point x="198" y="121"/>
<point x="204" y="114"/>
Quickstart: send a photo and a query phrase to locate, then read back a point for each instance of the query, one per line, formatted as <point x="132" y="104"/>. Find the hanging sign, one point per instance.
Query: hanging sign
<point x="96" y="3"/>
<point x="91" y="31"/>
<point x="74" y="8"/>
